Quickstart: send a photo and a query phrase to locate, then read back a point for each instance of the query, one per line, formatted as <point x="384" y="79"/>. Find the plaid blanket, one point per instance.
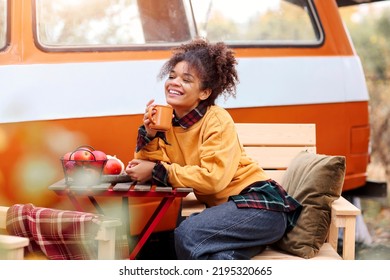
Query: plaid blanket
<point x="59" y="234"/>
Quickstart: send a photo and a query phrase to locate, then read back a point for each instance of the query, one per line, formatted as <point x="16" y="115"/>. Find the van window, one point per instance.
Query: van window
<point x="253" y="22"/>
<point x="110" y="23"/>
<point x="3" y="23"/>
<point x="96" y="24"/>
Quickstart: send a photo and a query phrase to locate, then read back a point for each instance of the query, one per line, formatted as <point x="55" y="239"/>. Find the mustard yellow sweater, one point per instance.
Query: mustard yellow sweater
<point x="207" y="157"/>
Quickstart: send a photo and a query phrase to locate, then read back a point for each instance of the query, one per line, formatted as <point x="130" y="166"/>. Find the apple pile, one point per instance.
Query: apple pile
<point x="85" y="165"/>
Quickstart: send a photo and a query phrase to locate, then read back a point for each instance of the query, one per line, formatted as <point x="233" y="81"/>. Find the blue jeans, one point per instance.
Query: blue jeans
<point x="225" y="232"/>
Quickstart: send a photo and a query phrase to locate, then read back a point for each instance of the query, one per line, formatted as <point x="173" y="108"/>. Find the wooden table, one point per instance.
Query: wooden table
<point x="124" y="190"/>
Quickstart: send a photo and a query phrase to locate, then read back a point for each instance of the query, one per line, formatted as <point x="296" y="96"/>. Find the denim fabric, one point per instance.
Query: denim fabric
<point x="225" y="232"/>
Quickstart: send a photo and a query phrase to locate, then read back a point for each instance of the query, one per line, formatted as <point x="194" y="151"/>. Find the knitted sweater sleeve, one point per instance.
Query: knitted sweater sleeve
<point x="219" y="156"/>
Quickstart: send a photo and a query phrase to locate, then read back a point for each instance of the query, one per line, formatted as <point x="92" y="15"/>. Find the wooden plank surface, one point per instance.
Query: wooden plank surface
<point x="58" y="186"/>
<point x="121" y="187"/>
<point x="143" y="188"/>
<point x="101" y="187"/>
<point x="190" y="205"/>
<point x="278" y="134"/>
<point x="341" y="206"/>
<point x="184" y="189"/>
<point x="326" y="253"/>
<point x="163" y="189"/>
<point x="275" y="157"/>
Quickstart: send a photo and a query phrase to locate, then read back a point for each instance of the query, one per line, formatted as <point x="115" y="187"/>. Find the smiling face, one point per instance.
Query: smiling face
<point x="183" y="89"/>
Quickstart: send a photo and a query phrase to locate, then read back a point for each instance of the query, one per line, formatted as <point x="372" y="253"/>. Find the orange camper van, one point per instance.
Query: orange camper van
<point x="80" y="72"/>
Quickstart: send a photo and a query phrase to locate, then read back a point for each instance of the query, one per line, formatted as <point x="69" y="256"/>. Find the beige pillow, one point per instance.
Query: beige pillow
<point x="315" y="181"/>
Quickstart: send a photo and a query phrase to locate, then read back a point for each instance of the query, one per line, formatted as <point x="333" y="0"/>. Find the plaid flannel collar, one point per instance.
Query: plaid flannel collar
<point x="192" y="117"/>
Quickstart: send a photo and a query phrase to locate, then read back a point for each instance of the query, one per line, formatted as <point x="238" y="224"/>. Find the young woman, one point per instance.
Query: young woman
<point x="246" y="209"/>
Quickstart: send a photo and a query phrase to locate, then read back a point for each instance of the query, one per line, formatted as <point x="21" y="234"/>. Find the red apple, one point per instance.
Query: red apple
<point x="100" y="159"/>
<point x="70" y="167"/>
<point x="114" y="166"/>
<point x="82" y="155"/>
<point x="66" y="157"/>
<point x="68" y="164"/>
<point x="99" y="155"/>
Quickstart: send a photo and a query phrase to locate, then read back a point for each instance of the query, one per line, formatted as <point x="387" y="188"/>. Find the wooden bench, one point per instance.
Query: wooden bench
<point x="12" y="247"/>
<point x="274" y="146"/>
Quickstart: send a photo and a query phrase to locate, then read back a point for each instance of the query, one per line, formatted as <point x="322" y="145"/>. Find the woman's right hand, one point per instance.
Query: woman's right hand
<point x="140" y="170"/>
<point x="151" y="133"/>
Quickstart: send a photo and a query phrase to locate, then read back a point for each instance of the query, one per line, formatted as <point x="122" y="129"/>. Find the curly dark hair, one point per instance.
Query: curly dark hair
<point x="214" y="63"/>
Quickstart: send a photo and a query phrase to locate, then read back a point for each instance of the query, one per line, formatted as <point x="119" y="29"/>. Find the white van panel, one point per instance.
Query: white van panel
<point x="74" y="90"/>
<point x="297" y="80"/>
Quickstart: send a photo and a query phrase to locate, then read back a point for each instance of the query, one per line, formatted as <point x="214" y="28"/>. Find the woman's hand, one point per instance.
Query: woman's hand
<point x="150" y="132"/>
<point x="140" y="170"/>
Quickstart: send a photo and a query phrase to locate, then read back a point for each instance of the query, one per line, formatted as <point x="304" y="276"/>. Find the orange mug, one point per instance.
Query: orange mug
<point x="161" y="120"/>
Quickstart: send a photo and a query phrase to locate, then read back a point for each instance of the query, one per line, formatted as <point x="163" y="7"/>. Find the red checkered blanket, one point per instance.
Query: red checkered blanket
<point x="59" y="234"/>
